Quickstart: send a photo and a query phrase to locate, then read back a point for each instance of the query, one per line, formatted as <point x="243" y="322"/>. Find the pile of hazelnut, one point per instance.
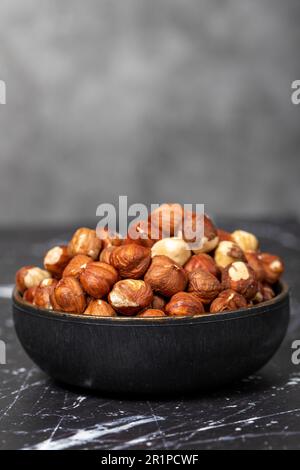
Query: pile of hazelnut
<point x="138" y="276"/>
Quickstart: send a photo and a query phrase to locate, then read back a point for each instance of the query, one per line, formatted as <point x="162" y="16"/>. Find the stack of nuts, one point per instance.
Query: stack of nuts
<point x="108" y="276"/>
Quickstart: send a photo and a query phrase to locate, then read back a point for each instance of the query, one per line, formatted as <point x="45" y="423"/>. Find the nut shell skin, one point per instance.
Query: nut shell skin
<point x="241" y="278"/>
<point x="56" y="259"/>
<point x="76" y="266"/>
<point x="273" y="267"/>
<point x="202" y="261"/>
<point x="99" y="308"/>
<point x="184" y="304"/>
<point x="152" y="313"/>
<point x="205" y="285"/>
<point x="98" y="278"/>
<point x="246" y="240"/>
<point x="227" y="301"/>
<point x="254" y="261"/>
<point x="85" y="242"/>
<point x="30" y="276"/>
<point x="227" y="252"/>
<point x="165" y="276"/>
<point x="28" y="295"/>
<point x="131" y="261"/>
<point x="175" y="248"/>
<point x="130" y="296"/>
<point x="42" y="296"/>
<point x="68" y="296"/>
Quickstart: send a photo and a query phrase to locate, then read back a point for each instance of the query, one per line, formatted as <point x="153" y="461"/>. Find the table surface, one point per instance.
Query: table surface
<point x="261" y="411"/>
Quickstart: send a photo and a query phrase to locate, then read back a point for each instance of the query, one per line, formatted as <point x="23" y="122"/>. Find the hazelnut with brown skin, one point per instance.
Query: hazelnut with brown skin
<point x="42" y="296"/>
<point x="227" y="252"/>
<point x="131" y="261"/>
<point x="129" y="296"/>
<point x="85" y="242"/>
<point x="28" y="295"/>
<point x="254" y="261"/>
<point x="224" y="236"/>
<point x="241" y="278"/>
<point x="167" y="219"/>
<point x="76" y="266"/>
<point x="100" y="308"/>
<point x="165" y="276"/>
<point x="30" y="276"/>
<point x="210" y="237"/>
<point x="205" y="285"/>
<point x="267" y="292"/>
<point x="56" y="259"/>
<point x="227" y="301"/>
<point x="140" y="234"/>
<point x="152" y="312"/>
<point x="158" y="302"/>
<point x="98" y="278"/>
<point x="273" y="267"/>
<point x="184" y="304"/>
<point x="106" y="254"/>
<point x="108" y="238"/>
<point x="68" y="296"/>
<point x="202" y="261"/>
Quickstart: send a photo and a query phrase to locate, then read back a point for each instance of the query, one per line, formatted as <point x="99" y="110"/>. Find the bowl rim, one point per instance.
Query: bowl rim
<point x="258" y="309"/>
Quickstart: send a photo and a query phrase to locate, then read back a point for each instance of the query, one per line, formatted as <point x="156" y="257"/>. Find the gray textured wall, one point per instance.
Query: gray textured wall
<point x="182" y="100"/>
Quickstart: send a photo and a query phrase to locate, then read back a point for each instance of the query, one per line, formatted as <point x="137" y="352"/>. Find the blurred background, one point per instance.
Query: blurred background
<point x="160" y="100"/>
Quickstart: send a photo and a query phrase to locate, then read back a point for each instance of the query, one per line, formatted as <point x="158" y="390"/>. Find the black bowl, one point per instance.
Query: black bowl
<point x="152" y="356"/>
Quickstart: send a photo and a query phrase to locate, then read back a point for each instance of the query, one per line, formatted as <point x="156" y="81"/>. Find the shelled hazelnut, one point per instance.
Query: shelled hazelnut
<point x="165" y="276"/>
<point x="255" y="262"/>
<point x="227" y="301"/>
<point x="68" y="296"/>
<point x="227" y="252"/>
<point x="167" y="219"/>
<point x="56" y="260"/>
<point x="131" y="261"/>
<point x="152" y="312"/>
<point x="85" y="242"/>
<point x="239" y="277"/>
<point x="140" y="234"/>
<point x="106" y="254"/>
<point x="175" y="248"/>
<point x="224" y="236"/>
<point x="100" y="308"/>
<point x="28" y="295"/>
<point x="202" y="261"/>
<point x="130" y="296"/>
<point x="158" y="302"/>
<point x="108" y="238"/>
<point x="30" y="276"/>
<point x="210" y="238"/>
<point x="184" y="304"/>
<point x="76" y="266"/>
<point x="245" y="240"/>
<point x="273" y="267"/>
<point x="98" y="278"/>
<point x="42" y="296"/>
<point x="205" y="285"/>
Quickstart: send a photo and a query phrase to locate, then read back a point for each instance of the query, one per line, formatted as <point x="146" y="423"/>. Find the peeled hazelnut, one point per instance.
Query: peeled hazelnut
<point x="106" y="254"/>
<point x="152" y="312"/>
<point x="108" y="238"/>
<point x="254" y="261"/>
<point x="56" y="260"/>
<point x="210" y="238"/>
<point x="85" y="242"/>
<point x="158" y="302"/>
<point x="131" y="261"/>
<point x="228" y="300"/>
<point x="30" y="276"/>
<point x="246" y="241"/>
<point x="167" y="219"/>
<point x="165" y="276"/>
<point x="184" y="304"/>
<point x="202" y="261"/>
<point x="140" y="234"/>
<point x="68" y="296"/>
<point x="224" y="236"/>
<point x="267" y="292"/>
<point x="129" y="296"/>
<point x="43" y="293"/>
<point x="100" y="308"/>
<point x="205" y="285"/>
<point x="28" y="295"/>
<point x="175" y="248"/>
<point x="241" y="278"/>
<point x="273" y="267"/>
<point x="76" y="266"/>
<point x="98" y="278"/>
<point x="228" y="252"/>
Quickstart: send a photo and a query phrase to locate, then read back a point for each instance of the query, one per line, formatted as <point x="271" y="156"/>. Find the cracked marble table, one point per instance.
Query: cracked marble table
<point x="262" y="411"/>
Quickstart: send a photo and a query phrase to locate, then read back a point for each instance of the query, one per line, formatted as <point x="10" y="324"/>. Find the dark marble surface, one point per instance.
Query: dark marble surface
<point x="262" y="411"/>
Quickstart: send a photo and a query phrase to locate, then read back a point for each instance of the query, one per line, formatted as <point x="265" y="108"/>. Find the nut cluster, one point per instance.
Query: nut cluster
<point x="100" y="274"/>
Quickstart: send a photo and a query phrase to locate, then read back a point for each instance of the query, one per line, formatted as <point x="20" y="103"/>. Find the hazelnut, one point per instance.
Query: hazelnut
<point x="165" y="276"/>
<point x="68" y="296"/>
<point x="202" y="261"/>
<point x="210" y="237"/>
<point x="246" y="241"/>
<point x="184" y="304"/>
<point x="224" y="236"/>
<point x="228" y="300"/>
<point x="30" y="276"/>
<point x="152" y="312"/>
<point x="98" y="278"/>
<point x="273" y="267"/>
<point x="205" y="285"/>
<point x="267" y="292"/>
<point x="254" y="261"/>
<point x="43" y="293"/>
<point x="241" y="278"/>
<point x="175" y="248"/>
<point x="108" y="238"/>
<point x="140" y="234"/>
<point x="76" y="266"/>
<point x="85" y="242"/>
<point x="158" y="302"/>
<point x="106" y="253"/>
<point x="100" y="308"/>
<point x="131" y="261"/>
<point x="228" y="252"/>
<point x="167" y="219"/>
<point x="56" y="260"/>
<point x="28" y="295"/>
<point x="129" y="296"/>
